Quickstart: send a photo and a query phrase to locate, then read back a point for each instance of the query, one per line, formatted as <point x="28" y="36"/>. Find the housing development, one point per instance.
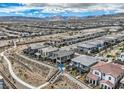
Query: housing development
<point x="62" y="52"/>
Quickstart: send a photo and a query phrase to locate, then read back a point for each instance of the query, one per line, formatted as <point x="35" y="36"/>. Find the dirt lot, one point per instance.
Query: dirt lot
<point x="32" y="73"/>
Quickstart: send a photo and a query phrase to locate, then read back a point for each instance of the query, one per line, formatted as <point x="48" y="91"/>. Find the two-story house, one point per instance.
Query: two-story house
<point x="62" y="56"/>
<point x="99" y="43"/>
<point x="33" y="48"/>
<point x="121" y="85"/>
<point x="107" y="75"/>
<point x="121" y="57"/>
<point x="83" y="63"/>
<point x="87" y="48"/>
<point x="47" y="51"/>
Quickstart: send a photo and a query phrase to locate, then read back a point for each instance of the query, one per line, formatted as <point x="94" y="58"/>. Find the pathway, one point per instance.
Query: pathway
<point x="76" y="81"/>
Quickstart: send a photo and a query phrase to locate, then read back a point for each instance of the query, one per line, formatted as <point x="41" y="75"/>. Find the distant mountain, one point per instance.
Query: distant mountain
<point x="19" y="18"/>
<point x="56" y="18"/>
<point x="52" y="18"/>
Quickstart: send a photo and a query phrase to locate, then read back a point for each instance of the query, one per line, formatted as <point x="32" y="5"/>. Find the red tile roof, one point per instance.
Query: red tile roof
<point x="109" y="68"/>
<point x="91" y="76"/>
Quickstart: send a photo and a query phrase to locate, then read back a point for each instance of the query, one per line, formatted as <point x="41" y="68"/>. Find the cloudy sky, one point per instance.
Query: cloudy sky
<point x="61" y="9"/>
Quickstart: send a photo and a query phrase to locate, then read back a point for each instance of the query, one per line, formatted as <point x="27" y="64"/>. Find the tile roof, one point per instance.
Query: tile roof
<point x="92" y="76"/>
<point x="109" y="68"/>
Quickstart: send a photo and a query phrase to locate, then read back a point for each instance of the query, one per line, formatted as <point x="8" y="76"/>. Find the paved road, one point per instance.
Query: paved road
<point x="12" y="72"/>
<point x="45" y="84"/>
<point x="76" y="81"/>
<point x="35" y="61"/>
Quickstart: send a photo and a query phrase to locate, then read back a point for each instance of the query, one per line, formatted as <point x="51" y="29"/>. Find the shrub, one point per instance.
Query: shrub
<point x="109" y="56"/>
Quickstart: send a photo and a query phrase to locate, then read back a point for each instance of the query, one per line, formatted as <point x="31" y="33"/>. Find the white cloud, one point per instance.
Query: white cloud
<point x="59" y="8"/>
<point x="52" y="9"/>
<point x="56" y="8"/>
<point x="17" y="9"/>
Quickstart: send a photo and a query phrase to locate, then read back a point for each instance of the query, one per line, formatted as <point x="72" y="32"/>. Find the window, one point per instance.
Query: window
<point x="109" y="78"/>
<point x="105" y="87"/>
<point x="103" y="74"/>
<point x="108" y="87"/>
<point x="96" y="73"/>
<point x="102" y="86"/>
<point x="118" y="76"/>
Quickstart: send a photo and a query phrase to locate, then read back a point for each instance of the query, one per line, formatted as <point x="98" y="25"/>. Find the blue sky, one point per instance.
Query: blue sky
<point x="61" y="9"/>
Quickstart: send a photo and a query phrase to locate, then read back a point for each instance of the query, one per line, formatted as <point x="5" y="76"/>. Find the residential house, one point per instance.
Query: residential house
<point x="99" y="43"/>
<point x="33" y="48"/>
<point x="2" y="83"/>
<point x="46" y="52"/>
<point x="121" y="57"/>
<point x="62" y="56"/>
<point x="121" y="85"/>
<point x="112" y="39"/>
<point x="120" y="37"/>
<point x="83" y="63"/>
<point x="107" y="75"/>
<point x="87" y="48"/>
<point x="12" y="35"/>
<point x="25" y="34"/>
<point x="3" y="35"/>
<point x="107" y="41"/>
<point x="68" y="40"/>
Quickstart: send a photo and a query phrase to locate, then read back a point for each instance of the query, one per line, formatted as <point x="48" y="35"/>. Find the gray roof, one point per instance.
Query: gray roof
<point x="62" y="53"/>
<point x="110" y="37"/>
<point x="38" y="54"/>
<point x="85" y="60"/>
<point x="49" y="49"/>
<point x="96" y="42"/>
<point x="37" y="46"/>
<point x="86" y="45"/>
<point x="105" y="38"/>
